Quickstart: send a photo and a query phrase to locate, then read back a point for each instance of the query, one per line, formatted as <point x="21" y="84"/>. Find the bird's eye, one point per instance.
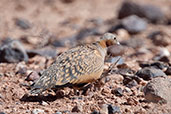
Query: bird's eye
<point x="114" y="38"/>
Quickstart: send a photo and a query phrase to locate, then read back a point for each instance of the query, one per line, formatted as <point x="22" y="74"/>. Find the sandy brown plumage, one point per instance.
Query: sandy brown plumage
<point x="82" y="64"/>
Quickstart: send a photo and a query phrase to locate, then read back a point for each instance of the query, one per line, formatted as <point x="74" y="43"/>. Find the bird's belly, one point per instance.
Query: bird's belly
<point x="87" y="78"/>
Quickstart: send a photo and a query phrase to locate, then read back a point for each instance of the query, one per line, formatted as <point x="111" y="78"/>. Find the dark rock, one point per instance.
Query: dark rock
<point x="158" y="90"/>
<point x="2" y="113"/>
<point x="156" y="64"/>
<point x="85" y="32"/>
<point x="116" y="50"/>
<point x="150" y="12"/>
<point x="95" y="112"/>
<point x="117" y="92"/>
<point x="159" y="38"/>
<point x="13" y="51"/>
<point x="23" y="23"/>
<point x="57" y="112"/>
<point x="67" y="1"/>
<point x="46" y="52"/>
<point x="132" y="84"/>
<point x="168" y="71"/>
<point x="134" y="24"/>
<point x="113" y="109"/>
<point x="77" y="108"/>
<point x="133" y="42"/>
<point x="148" y="73"/>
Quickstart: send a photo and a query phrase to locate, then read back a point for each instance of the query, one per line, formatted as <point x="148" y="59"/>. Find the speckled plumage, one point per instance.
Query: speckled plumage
<point x="82" y="64"/>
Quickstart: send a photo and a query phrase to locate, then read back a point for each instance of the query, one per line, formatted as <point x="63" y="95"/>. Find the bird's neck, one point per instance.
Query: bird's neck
<point x="102" y="43"/>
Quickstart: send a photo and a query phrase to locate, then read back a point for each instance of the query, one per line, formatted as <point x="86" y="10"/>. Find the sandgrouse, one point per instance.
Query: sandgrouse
<point x="82" y="64"/>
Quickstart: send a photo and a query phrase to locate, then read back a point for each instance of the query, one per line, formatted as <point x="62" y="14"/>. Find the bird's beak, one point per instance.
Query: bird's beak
<point x="118" y="43"/>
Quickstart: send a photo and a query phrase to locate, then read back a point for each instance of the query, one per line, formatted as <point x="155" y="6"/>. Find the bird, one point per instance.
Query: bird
<point x="79" y="65"/>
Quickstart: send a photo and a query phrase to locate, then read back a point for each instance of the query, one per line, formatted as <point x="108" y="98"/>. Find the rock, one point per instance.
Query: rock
<point x="95" y="112"/>
<point x="37" y="111"/>
<point x="132" y="84"/>
<point x="67" y="1"/>
<point x="113" y="109"/>
<point x="2" y="113"/>
<point x="156" y="64"/>
<point x="150" y="12"/>
<point x="33" y="76"/>
<point x="148" y="73"/>
<point x="117" y="92"/>
<point x="116" y="50"/>
<point x="46" y="52"/>
<point x="12" y="51"/>
<point x="158" y="90"/>
<point x="104" y="109"/>
<point x="77" y="108"/>
<point x="22" y="23"/>
<point x="44" y="103"/>
<point x="134" y="24"/>
<point x="159" y="38"/>
<point x="133" y="42"/>
<point x="168" y="71"/>
<point x="163" y="55"/>
<point x="57" y="112"/>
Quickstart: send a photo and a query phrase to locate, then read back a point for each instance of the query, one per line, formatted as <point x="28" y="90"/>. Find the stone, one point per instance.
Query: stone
<point x="57" y="112"/>
<point x="33" y="76"/>
<point x="132" y="84"/>
<point x="77" y="108"/>
<point x="168" y="71"/>
<point x="116" y="50"/>
<point x="158" y="90"/>
<point x="22" y="23"/>
<point x="104" y="109"/>
<point x="113" y="109"/>
<point x="2" y="113"/>
<point x="153" y="13"/>
<point x="12" y="51"/>
<point x="37" y="111"/>
<point x="148" y="73"/>
<point x="134" y="24"/>
<point x="117" y="92"/>
<point x="46" y="52"/>
<point x="133" y="42"/>
<point x="95" y="112"/>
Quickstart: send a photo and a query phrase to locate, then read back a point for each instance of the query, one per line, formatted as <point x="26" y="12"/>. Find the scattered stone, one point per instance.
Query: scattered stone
<point x="33" y="76"/>
<point x="150" y="12"/>
<point x="134" y="24"/>
<point x="148" y="73"/>
<point x="13" y="51"/>
<point x="95" y="112"/>
<point x="37" y="111"/>
<point x="168" y="71"/>
<point x="68" y="1"/>
<point x="133" y="42"/>
<point x="159" y="38"/>
<point x="117" y="92"/>
<point x="46" y="52"/>
<point x="104" y="109"/>
<point x="22" y="23"/>
<point x="44" y="103"/>
<point x="163" y="55"/>
<point x="116" y="50"/>
<point x="77" y="108"/>
<point x="156" y="64"/>
<point x="113" y="109"/>
<point x="58" y="112"/>
<point x="158" y="90"/>
<point x="132" y="84"/>
<point x="2" y="113"/>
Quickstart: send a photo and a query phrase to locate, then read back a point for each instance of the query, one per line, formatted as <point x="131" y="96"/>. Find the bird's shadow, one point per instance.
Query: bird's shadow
<point x="40" y="98"/>
<point x="50" y="97"/>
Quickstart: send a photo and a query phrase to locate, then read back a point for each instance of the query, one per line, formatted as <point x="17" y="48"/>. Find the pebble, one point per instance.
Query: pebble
<point x="148" y="73"/>
<point x="158" y="90"/>
<point x="32" y="76"/>
<point x="168" y="71"/>
<point x="95" y="112"/>
<point x="12" y="51"/>
<point x="153" y="13"/>
<point x="104" y="109"/>
<point x="113" y="109"/>
<point x="77" y="108"/>
<point x="2" y="113"/>
<point x="117" y="92"/>
<point x="37" y="111"/>
<point x="133" y="42"/>
<point x="22" y="23"/>
<point x="134" y="24"/>
<point x="132" y="84"/>
<point x="57" y="112"/>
